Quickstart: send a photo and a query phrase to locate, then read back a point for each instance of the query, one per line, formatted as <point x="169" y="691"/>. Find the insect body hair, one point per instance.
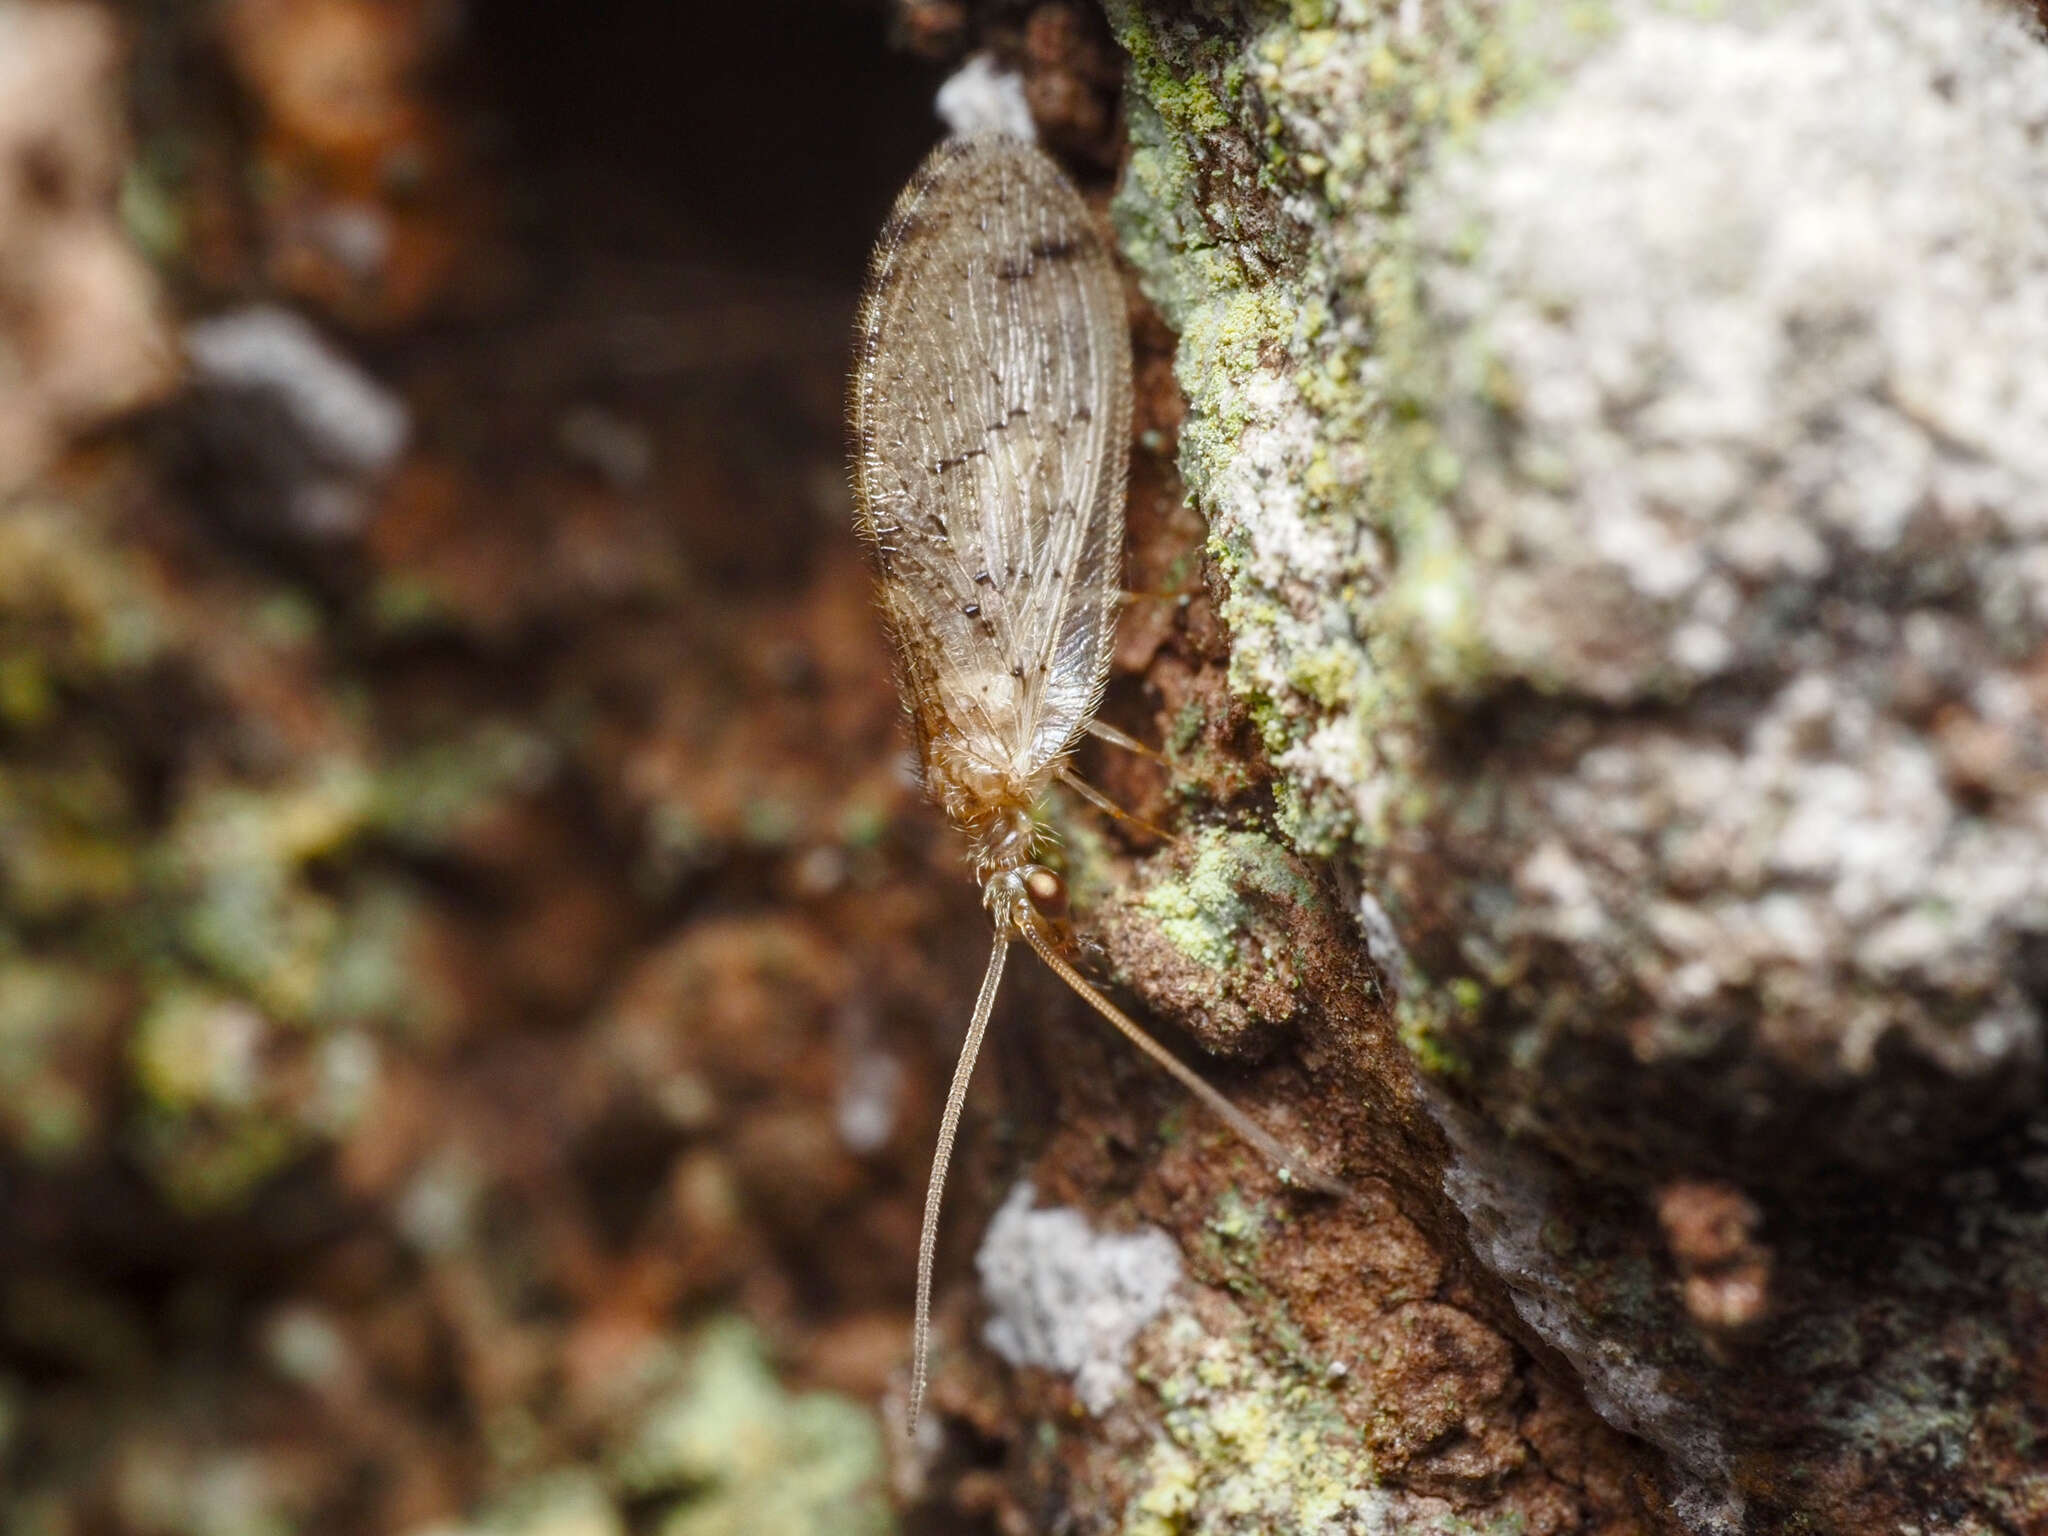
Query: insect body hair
<point x="993" y="806"/>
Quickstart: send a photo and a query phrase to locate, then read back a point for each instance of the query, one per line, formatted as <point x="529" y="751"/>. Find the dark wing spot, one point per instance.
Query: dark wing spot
<point x="1054" y="248"/>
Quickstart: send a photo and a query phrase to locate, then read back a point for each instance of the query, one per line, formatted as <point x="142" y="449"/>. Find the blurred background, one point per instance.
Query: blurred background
<point x="476" y="980"/>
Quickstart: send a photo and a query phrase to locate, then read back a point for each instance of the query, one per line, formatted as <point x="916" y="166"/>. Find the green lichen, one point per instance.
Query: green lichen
<point x="66" y="840"/>
<point x="1239" y="1223"/>
<point x="403" y="605"/>
<point x="1431" y="1045"/>
<point x="768" y="821"/>
<point x="1083" y="855"/>
<point x="1245" y="1451"/>
<point x="1186" y="728"/>
<point x="1204" y="913"/>
<point x="707" y="1443"/>
<point x="237" y="941"/>
<point x="268" y="971"/>
<point x="425" y="799"/>
<point x="152" y="201"/>
<point x="564" y="1502"/>
<point x="235" y="860"/>
<point x="1249" y="1451"/>
<point x="211" y="1126"/>
<point x="739" y="1456"/>
<point x="53" y="1017"/>
<point x="372" y="972"/>
<point x="81" y="605"/>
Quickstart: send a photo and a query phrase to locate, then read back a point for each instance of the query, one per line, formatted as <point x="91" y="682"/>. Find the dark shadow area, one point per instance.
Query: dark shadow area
<point x="771" y="136"/>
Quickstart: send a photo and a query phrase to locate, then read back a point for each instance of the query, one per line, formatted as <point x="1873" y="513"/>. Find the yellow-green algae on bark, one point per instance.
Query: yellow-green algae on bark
<point x="241" y="948"/>
<point x="1264" y="206"/>
<point x="1203" y="914"/>
<point x="1310" y="443"/>
<point x="714" y="1446"/>
<point x="1245" y="1449"/>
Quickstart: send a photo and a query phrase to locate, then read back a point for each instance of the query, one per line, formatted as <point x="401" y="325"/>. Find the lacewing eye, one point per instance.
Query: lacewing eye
<point x="1048" y="892"/>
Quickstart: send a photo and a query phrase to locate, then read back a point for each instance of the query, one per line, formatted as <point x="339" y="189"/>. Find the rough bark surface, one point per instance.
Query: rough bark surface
<point x="1624" y="472"/>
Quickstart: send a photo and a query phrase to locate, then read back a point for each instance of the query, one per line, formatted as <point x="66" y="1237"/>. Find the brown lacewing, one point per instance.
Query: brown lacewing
<point x="990" y="415"/>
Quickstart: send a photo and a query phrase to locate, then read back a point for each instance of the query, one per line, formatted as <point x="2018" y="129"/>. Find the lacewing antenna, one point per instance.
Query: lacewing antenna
<point x="942" y="1158"/>
<point x="1291" y="1166"/>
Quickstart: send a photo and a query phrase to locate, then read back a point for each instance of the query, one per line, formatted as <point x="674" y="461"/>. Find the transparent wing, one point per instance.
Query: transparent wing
<point x="990" y="413"/>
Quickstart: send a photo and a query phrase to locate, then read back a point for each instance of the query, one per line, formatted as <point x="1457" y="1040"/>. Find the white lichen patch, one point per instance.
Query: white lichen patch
<point x="348" y="416"/>
<point x="1064" y="1297"/>
<point x="1744" y="326"/>
<point x="1749" y="309"/>
<point x="335" y="430"/>
<point x="983" y="97"/>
